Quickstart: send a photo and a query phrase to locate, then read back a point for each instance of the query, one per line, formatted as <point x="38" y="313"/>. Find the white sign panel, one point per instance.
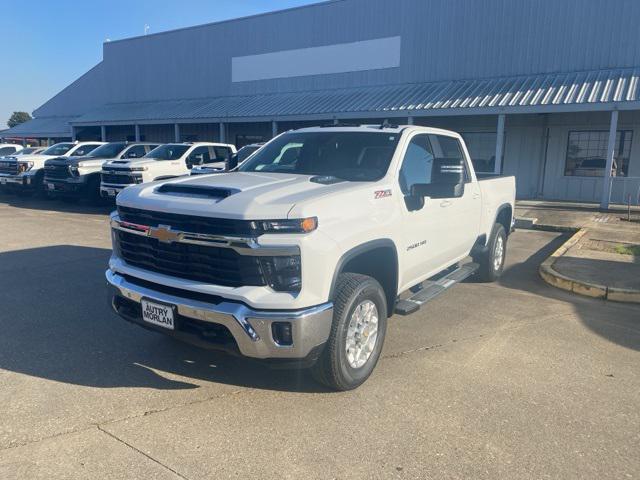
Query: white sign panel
<point x="338" y="58"/>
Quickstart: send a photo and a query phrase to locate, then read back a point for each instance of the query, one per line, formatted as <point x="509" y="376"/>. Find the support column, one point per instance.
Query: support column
<point x="137" y="130"/>
<point x="48" y="142"/>
<point x="176" y="132"/>
<point x="222" y="133"/>
<point x="274" y="128"/>
<point x="499" y="142"/>
<point x="409" y="120"/>
<point x="103" y="133"/>
<point x="73" y="134"/>
<point x="606" y="179"/>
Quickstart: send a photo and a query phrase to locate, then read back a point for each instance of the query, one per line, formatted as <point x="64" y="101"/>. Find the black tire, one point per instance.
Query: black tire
<point x="333" y="368"/>
<point x="490" y="270"/>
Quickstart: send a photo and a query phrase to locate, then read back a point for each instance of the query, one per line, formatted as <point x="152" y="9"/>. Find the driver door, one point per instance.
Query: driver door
<point x="424" y="245"/>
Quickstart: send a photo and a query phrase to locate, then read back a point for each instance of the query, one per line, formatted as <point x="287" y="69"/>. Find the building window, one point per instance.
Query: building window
<point x="482" y="149"/>
<point x="587" y="153"/>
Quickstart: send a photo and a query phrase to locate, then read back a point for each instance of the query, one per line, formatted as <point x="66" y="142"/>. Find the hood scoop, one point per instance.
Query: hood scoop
<point x="325" y="179"/>
<point x="196" y="191"/>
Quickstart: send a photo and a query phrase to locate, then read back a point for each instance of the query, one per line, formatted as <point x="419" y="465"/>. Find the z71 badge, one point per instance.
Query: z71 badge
<point x="381" y="194"/>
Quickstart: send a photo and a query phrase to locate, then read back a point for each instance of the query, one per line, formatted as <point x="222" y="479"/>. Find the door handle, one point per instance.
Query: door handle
<point x="445" y="203"/>
<point x="476" y="195"/>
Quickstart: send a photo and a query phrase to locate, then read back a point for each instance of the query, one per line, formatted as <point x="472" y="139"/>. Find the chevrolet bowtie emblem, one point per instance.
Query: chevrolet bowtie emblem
<point x="164" y="234"/>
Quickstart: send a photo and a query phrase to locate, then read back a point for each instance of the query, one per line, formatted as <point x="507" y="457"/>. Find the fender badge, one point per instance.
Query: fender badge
<point x="381" y="194"/>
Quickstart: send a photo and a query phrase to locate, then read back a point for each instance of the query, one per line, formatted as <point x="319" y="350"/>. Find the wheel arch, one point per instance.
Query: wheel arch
<point x="377" y="259"/>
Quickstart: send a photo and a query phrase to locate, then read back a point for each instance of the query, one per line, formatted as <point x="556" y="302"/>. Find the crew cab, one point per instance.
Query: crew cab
<point x="236" y="159"/>
<point x="166" y="161"/>
<point x="25" y="173"/>
<point x="301" y="257"/>
<point x="79" y="176"/>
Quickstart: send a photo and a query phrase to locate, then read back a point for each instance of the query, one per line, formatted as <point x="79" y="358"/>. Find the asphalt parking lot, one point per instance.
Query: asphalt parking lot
<point x="508" y="380"/>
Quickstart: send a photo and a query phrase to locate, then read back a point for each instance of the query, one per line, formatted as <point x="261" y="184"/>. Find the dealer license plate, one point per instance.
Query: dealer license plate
<point x="157" y="314"/>
<point x="51" y="186"/>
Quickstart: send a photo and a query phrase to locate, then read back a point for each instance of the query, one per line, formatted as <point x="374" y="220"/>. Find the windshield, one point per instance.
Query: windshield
<point x="109" y="150"/>
<point x="355" y="156"/>
<point x="168" y="152"/>
<point x="245" y="151"/>
<point x="58" y="149"/>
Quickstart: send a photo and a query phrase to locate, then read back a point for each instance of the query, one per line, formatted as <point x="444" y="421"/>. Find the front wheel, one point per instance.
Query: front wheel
<point x="357" y="333"/>
<point x="492" y="260"/>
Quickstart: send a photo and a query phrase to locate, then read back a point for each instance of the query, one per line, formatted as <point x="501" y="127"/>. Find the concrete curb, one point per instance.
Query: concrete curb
<point x="558" y="280"/>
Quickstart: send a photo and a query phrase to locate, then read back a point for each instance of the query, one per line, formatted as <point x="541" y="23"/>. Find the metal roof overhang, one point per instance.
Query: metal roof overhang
<point x="601" y="90"/>
<point x="44" y="127"/>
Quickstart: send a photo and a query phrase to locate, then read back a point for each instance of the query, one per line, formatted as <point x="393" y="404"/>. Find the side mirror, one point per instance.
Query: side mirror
<point x="231" y="162"/>
<point x="447" y="181"/>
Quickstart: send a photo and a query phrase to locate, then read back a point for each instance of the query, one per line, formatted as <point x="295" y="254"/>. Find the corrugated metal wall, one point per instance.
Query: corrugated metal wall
<point x="441" y="40"/>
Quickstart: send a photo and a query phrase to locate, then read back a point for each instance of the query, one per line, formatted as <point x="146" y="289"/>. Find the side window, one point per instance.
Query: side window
<point x="199" y="156"/>
<point x="222" y="153"/>
<point x="136" y="151"/>
<point x="148" y="148"/>
<point x="449" y="148"/>
<point x="417" y="163"/>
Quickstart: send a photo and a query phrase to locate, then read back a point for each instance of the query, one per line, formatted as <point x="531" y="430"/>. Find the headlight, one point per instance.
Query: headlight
<point x="297" y="225"/>
<point x="24" y="166"/>
<point x="282" y="273"/>
<point x="74" y="170"/>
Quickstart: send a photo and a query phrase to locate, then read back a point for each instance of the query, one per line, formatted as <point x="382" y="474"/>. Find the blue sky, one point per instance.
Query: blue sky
<point x="48" y="44"/>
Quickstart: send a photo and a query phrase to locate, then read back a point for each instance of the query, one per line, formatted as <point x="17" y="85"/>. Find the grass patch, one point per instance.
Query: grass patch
<point x="628" y="250"/>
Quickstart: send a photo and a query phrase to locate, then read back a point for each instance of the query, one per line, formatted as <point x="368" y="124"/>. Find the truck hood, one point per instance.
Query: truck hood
<point x="241" y="195"/>
<point x="77" y="161"/>
<point x="38" y="160"/>
<point x="126" y="164"/>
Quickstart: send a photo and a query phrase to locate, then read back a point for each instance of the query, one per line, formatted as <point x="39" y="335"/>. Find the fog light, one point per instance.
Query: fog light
<point x="281" y="332"/>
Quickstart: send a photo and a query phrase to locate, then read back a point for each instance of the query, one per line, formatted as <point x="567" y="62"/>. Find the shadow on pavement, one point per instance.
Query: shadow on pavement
<point x="617" y="322"/>
<point x="56" y="324"/>
<point x="54" y="204"/>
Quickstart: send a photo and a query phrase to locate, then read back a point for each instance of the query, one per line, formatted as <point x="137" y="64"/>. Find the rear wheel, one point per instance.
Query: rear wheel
<point x="357" y="333"/>
<point x="492" y="260"/>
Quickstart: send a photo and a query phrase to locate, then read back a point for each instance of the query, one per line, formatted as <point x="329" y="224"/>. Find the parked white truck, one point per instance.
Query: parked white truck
<point x="25" y="173"/>
<point x="166" y="161"/>
<point x="79" y="176"/>
<point x="302" y="261"/>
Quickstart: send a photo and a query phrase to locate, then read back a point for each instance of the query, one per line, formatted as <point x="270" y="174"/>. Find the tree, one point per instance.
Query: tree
<point x="17" y="118"/>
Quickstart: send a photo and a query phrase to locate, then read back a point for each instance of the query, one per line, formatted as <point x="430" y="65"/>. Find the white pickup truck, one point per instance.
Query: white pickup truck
<point x="166" y="161"/>
<point x="79" y="176"/>
<point x="301" y="258"/>
<point x="25" y="173"/>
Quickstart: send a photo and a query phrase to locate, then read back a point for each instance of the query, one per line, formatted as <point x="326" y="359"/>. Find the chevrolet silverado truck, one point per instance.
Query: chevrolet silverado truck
<point x="231" y="162"/>
<point x="166" y="161"/>
<point x="79" y="176"/>
<point x="301" y="260"/>
<point x="24" y="174"/>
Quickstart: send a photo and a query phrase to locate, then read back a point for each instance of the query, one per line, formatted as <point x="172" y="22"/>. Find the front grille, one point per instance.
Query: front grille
<point x="9" y="168"/>
<point x="212" y="265"/>
<point x="57" y="172"/>
<point x="125" y="179"/>
<point x="189" y="223"/>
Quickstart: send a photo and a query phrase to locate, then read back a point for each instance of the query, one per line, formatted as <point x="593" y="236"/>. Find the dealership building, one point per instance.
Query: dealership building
<point x="543" y="90"/>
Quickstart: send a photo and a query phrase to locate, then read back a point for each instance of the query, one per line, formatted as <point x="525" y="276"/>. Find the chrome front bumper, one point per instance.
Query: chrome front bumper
<point x="19" y="179"/>
<point x="250" y="328"/>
